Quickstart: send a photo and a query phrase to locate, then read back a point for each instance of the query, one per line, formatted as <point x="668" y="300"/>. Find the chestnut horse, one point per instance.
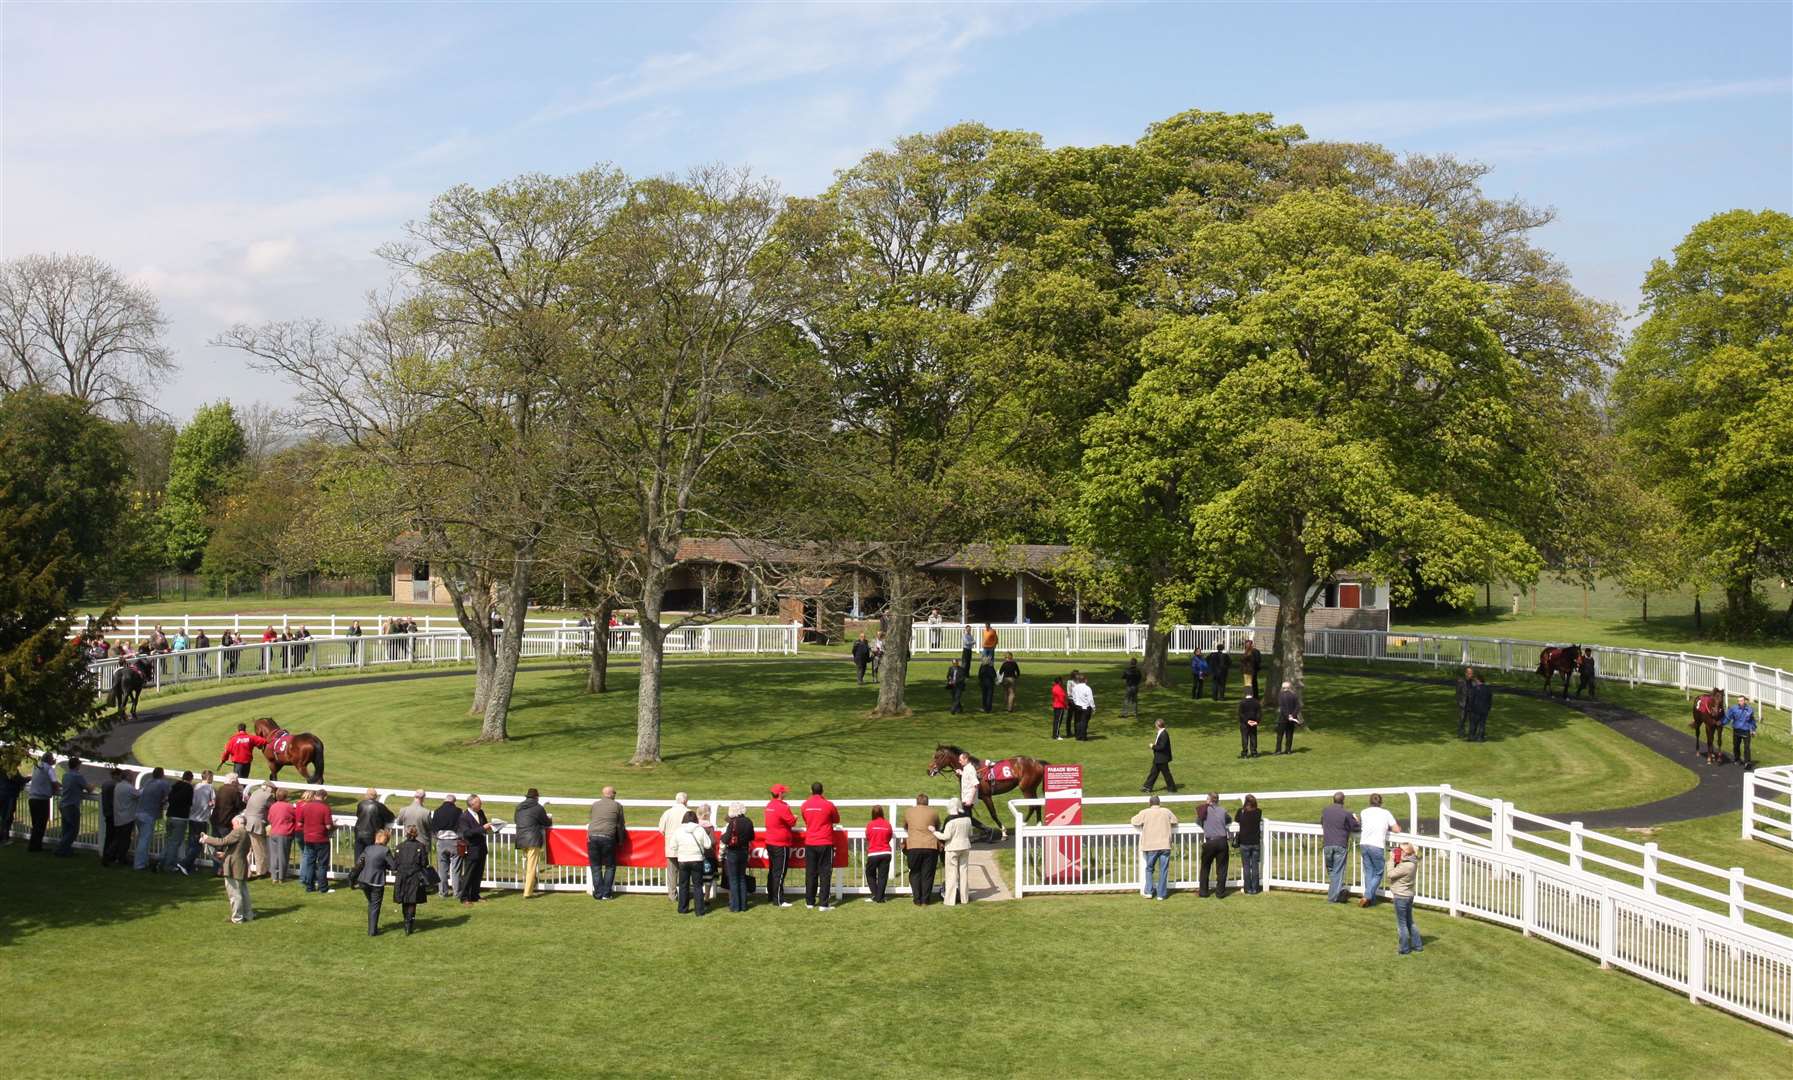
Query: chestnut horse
<point x="1554" y="661"/>
<point x="1026" y="773"/>
<point x="284" y="748"/>
<point x="1709" y="713"/>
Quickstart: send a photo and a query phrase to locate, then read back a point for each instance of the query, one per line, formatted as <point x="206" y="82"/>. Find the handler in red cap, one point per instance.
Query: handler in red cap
<point x="819" y="819"/>
<point x="779" y="822"/>
<point x="240" y="749"/>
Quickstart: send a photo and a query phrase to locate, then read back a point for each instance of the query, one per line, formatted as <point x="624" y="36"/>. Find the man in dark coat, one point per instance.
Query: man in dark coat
<point x="1218" y="663"/>
<point x="955" y="685"/>
<point x="371" y="815"/>
<point x="986" y="684"/>
<point x="1479" y="707"/>
<point x="862" y="655"/>
<point x="1160" y="759"/>
<point x="1465" y="698"/>
<point x="1585" y="668"/>
<point x="1288" y="715"/>
<point x="1251" y="715"/>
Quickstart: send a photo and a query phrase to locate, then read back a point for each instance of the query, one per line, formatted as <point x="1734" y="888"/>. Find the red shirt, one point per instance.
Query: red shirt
<point x="314" y="822"/>
<point x="1058" y="695"/>
<point x="241" y="747"/>
<point x="819" y="819"/>
<point x="779" y="821"/>
<point x="877" y="836"/>
<point x="281" y="819"/>
<point x="269" y="635"/>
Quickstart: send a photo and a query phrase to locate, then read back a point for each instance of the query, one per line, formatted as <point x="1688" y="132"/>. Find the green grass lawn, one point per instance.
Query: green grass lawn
<point x="1612" y="619"/>
<point x="734" y="728"/>
<point x="1050" y="986"/>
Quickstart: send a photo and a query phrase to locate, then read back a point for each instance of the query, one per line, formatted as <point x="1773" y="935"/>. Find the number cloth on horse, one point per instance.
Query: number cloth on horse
<point x="995" y="771"/>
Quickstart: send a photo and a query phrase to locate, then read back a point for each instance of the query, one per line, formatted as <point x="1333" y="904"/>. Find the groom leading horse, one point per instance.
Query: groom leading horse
<point x="992" y="778"/>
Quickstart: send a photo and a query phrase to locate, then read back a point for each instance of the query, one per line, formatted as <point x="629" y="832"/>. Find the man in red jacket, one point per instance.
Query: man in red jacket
<point x="819" y="819"/>
<point x="779" y="822"/>
<point x="239" y="751"/>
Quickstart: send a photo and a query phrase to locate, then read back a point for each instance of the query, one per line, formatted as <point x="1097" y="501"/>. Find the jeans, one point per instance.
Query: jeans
<point x="40" y="821"/>
<point x="1195" y="688"/>
<point x="958" y="692"/>
<point x="1374" y="860"/>
<point x="1408" y="936"/>
<point x="734" y="868"/>
<point x="71" y="827"/>
<point x="1130" y="701"/>
<point x="1251" y="857"/>
<point x="146" y="834"/>
<point x="691" y="885"/>
<point x="778" y="860"/>
<point x="922" y="863"/>
<point x="448" y="864"/>
<point x="600" y="852"/>
<point x="280" y="857"/>
<point x="314" y="865"/>
<point x="174" y="842"/>
<point x="818" y="875"/>
<point x="1334" y="858"/>
<point x="877" y="875"/>
<point x="1158" y="873"/>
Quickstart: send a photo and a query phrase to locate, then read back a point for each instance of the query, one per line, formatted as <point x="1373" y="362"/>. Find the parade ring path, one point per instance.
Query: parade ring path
<point x="1719" y="790"/>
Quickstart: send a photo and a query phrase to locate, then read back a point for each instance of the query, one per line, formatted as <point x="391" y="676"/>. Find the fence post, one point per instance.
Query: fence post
<point x="1453" y="887"/>
<point x="1575" y="842"/>
<point x="1497" y="825"/>
<point x="1737" y="894"/>
<point x="1609" y="930"/>
<point x="332" y="626"/>
<point x="1444" y="810"/>
<point x="1528" y="882"/>
<point x="1696" y="962"/>
<point x="1020" y="856"/>
<point x="1749" y="806"/>
<point x="1650" y="864"/>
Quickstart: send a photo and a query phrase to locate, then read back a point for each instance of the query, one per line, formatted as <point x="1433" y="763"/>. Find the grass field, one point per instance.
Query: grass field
<point x="732" y="729"/>
<point x="1276" y="985"/>
<point x="1612" y="618"/>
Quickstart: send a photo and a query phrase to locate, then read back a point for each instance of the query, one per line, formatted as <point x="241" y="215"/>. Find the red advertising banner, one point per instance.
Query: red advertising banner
<point x="646" y="847"/>
<point x="1064" y="806"/>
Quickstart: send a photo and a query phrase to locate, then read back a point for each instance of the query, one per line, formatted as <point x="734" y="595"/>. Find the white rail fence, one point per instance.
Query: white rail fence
<point x="1768" y="805"/>
<point x="1617" y="902"/>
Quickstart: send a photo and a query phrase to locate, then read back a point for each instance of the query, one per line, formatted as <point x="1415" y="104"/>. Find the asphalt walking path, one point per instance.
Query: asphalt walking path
<point x="1719" y="789"/>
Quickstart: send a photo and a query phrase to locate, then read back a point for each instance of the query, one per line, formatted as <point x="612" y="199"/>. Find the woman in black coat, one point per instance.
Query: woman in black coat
<point x="411" y="886"/>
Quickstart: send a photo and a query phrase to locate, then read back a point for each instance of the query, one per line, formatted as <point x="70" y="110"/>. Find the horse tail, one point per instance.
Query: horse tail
<point x="318" y="758"/>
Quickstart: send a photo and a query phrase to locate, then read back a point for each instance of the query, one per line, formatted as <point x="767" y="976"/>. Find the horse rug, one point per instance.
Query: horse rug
<point x="281" y="740"/>
<point x="995" y="771"/>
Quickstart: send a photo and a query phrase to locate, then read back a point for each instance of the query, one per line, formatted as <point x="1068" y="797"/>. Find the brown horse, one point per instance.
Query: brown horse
<point x="283" y="748"/>
<point x="995" y="778"/>
<point x="1553" y="661"/>
<point x="1709" y="713"/>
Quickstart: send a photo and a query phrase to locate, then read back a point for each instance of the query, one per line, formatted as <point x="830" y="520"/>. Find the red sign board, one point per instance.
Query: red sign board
<point x="645" y="847"/>
<point x="1064" y="806"/>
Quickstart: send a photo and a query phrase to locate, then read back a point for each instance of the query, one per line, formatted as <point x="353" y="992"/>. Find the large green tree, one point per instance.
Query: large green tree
<point x="1705" y="396"/>
<point x="62" y="488"/>
<point x="206" y="454"/>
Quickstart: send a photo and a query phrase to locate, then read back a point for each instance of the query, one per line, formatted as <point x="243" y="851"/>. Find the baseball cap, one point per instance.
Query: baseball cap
<point x="780" y="789"/>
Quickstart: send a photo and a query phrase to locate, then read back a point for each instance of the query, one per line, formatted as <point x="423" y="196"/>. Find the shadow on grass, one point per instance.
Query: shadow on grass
<point x="39" y="892"/>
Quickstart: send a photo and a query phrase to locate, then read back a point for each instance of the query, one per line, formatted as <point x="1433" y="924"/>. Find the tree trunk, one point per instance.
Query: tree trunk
<point x="470" y="602"/>
<point x="1291" y="628"/>
<point x="898" y="620"/>
<point x="1157" y="652"/>
<point x="1646" y="607"/>
<point x="598" y="675"/>
<point x="515" y="605"/>
<point x="1699" y="623"/>
<point x="653" y="655"/>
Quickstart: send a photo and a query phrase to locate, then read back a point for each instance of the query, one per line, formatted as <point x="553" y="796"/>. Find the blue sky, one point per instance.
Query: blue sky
<point x="244" y="160"/>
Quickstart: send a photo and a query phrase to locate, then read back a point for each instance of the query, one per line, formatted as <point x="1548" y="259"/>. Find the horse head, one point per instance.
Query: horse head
<point x="946" y="758"/>
<point x="265" y="726"/>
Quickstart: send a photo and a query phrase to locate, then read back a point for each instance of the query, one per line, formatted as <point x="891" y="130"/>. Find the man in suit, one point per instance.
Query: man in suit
<point x="1465" y="698"/>
<point x="921" y="848"/>
<point x="1160" y="759"/>
<point x="986" y="684"/>
<point x="1218" y="663"/>
<point x="955" y="685"/>
<point x="1479" y="706"/>
<point x="255" y="819"/>
<point x="233" y="863"/>
<point x="1288" y="715"/>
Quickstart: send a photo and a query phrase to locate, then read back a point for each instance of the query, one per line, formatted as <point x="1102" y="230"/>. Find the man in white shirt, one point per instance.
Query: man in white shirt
<point x="199" y="819"/>
<point x="1372" y="843"/>
<point x="967" y="782"/>
<point x="1083" y="704"/>
<point x="669" y="824"/>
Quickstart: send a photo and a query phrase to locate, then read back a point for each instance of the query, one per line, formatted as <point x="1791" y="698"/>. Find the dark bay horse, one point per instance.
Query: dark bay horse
<point x="1554" y="661"/>
<point x="283" y="748"/>
<point x="128" y="681"/>
<point x="996" y="778"/>
<point x="1709" y="713"/>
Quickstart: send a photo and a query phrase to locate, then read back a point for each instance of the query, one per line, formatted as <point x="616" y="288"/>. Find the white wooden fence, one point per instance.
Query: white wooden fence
<point x="1718" y="936"/>
<point x="1768" y="805"/>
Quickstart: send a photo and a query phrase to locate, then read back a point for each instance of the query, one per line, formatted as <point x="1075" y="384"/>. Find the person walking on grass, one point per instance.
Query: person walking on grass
<point x="955" y="686"/>
<point x="1061" y="704"/>
<point x="72" y="793"/>
<point x="605" y="831"/>
<point x="670" y="819"/>
<point x="1215" y="840"/>
<point x="986" y="685"/>
<point x="862" y="656"/>
<point x="921" y="849"/>
<point x="1131" y="678"/>
<point x="239" y="750"/>
<point x="445" y="822"/>
<point x="819" y="819"/>
<point x="533" y="824"/>
<point x="1198" y="671"/>
<point x="1336" y="826"/>
<point x="687" y="846"/>
<point x="1479" y="708"/>
<point x="1161" y="758"/>
<point x="233" y="863"/>
<point x="410" y="869"/>
<point x="1010" y="675"/>
<point x="1401" y="881"/>
<point x="1741" y="719"/>
<point x="990" y="639"/>
<point x="1465" y="701"/>
<point x="737" y="847"/>
<point x="780" y="823"/>
<point x="1156" y="825"/>
<point x="39" y="790"/>
<point x="1375" y="825"/>
<point x="369" y="875"/>
<point x="955" y="839"/>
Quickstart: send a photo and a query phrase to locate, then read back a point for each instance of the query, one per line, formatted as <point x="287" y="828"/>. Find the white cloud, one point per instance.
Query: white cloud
<point x="1397" y="117"/>
<point x="266" y="256"/>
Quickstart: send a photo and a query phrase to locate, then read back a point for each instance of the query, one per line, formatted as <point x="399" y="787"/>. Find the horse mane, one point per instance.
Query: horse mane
<point x="950" y="748"/>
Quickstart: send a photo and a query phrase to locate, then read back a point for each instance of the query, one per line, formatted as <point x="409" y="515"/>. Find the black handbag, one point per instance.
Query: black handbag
<point x="432" y="878"/>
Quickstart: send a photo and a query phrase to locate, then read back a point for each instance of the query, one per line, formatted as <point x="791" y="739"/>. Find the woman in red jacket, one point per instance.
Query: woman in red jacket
<point x="1059" y="704"/>
<point x="877" y="853"/>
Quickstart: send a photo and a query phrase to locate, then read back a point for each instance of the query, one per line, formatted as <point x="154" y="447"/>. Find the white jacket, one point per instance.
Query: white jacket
<point x="689" y="842"/>
<point x="956" y="835"/>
